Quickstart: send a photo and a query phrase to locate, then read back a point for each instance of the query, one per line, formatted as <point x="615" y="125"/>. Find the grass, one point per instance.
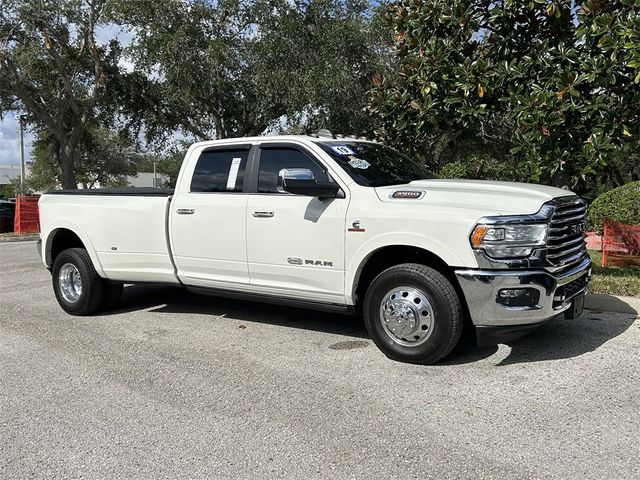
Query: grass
<point x="13" y="234"/>
<point x="623" y="281"/>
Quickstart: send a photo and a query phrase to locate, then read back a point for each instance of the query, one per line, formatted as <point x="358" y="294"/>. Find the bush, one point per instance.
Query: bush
<point x="621" y="204"/>
<point x="483" y="167"/>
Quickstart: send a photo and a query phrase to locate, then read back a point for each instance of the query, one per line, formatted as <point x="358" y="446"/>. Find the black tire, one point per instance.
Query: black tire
<point x="93" y="285"/>
<point x="111" y="295"/>
<point x="447" y="321"/>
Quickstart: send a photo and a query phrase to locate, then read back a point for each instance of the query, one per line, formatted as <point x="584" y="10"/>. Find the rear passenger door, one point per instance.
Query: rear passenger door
<point x="208" y="225"/>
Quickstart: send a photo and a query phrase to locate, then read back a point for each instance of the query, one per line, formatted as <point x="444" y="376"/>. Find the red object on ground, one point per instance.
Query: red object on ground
<point x="27" y="217"/>
<point x="594" y="241"/>
<point x="620" y="244"/>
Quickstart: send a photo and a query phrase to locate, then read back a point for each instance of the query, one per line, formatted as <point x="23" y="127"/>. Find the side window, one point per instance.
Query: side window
<point x="272" y="160"/>
<point x="219" y="171"/>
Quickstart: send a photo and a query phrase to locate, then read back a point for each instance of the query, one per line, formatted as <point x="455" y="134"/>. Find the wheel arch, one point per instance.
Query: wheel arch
<point x="389" y="255"/>
<point x="64" y="237"/>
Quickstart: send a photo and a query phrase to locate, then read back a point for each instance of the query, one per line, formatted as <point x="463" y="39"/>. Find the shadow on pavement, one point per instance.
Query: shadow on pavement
<point x="163" y="299"/>
<point x="562" y="338"/>
<point x="558" y="339"/>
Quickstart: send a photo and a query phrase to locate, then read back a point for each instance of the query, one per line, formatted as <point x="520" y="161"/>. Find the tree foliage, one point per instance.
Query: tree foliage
<point x="55" y="69"/>
<point x="558" y="88"/>
<point x="240" y="67"/>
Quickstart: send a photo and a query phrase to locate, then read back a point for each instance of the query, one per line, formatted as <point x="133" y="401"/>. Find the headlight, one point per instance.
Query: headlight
<point x="509" y="240"/>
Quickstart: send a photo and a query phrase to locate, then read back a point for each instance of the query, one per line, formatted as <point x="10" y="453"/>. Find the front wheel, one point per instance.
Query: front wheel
<point x="77" y="286"/>
<point x="413" y="314"/>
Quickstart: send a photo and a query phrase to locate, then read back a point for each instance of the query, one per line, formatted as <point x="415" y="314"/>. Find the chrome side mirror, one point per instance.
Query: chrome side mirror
<point x="292" y="174"/>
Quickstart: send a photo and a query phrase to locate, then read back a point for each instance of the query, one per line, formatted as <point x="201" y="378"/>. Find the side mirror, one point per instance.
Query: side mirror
<point x="300" y="181"/>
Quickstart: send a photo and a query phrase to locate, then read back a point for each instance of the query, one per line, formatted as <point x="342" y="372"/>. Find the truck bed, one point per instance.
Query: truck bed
<point x="126" y="227"/>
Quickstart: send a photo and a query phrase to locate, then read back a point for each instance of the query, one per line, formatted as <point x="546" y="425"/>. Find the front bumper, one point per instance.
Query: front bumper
<point x="556" y="293"/>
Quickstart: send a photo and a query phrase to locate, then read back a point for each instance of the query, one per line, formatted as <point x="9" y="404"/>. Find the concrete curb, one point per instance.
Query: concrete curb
<point x="612" y="303"/>
<point x="25" y="238"/>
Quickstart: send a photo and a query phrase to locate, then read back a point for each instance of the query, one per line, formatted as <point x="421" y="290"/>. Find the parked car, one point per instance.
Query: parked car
<point x="7" y="214"/>
<point x="339" y="224"/>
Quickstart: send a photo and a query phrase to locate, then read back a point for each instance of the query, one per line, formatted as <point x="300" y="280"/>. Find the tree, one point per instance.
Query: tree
<point x="55" y="70"/>
<point x="559" y="88"/>
<point x="240" y="67"/>
<point x="102" y="159"/>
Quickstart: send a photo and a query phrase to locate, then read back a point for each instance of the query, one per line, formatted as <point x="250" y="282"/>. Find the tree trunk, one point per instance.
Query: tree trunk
<point x="68" y="177"/>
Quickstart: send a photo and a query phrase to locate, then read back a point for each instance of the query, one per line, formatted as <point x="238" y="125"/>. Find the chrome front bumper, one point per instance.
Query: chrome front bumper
<point x="481" y="287"/>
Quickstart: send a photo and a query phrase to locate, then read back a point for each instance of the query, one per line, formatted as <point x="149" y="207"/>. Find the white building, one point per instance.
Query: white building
<point x="9" y="171"/>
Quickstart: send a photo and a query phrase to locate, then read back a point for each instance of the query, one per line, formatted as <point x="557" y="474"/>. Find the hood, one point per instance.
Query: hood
<point x="495" y="198"/>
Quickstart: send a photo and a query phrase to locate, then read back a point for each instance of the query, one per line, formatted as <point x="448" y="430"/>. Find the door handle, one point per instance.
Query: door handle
<point x="262" y="214"/>
<point x="185" y="211"/>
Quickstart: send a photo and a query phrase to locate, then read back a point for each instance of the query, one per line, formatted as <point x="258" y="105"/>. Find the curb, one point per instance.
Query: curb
<point x="25" y="238"/>
<point x="612" y="303"/>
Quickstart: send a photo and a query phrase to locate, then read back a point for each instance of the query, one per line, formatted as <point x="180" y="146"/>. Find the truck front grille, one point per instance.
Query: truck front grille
<point x="566" y="242"/>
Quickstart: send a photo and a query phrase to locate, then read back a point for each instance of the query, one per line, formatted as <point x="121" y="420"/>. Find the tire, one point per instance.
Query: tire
<point x="111" y="295"/>
<point x="71" y="264"/>
<point x="413" y="314"/>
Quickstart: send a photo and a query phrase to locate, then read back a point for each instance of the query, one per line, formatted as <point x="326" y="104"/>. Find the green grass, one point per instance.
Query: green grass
<point x="13" y="234"/>
<point x="623" y="281"/>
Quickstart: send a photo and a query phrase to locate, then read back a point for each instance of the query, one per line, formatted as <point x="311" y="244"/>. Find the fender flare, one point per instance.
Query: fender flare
<point x="394" y="239"/>
<point x="68" y="225"/>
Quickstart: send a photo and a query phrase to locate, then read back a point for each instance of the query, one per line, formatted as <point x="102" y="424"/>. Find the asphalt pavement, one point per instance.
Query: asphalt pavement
<point x="175" y="385"/>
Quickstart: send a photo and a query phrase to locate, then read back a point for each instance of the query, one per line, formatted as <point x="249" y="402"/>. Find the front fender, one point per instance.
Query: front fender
<point x="408" y="239"/>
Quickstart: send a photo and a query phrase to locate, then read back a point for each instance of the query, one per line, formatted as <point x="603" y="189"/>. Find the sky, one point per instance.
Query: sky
<point x="10" y="140"/>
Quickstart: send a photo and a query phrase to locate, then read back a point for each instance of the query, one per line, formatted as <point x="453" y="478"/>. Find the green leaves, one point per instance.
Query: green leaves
<point x="563" y="96"/>
<point x="238" y="68"/>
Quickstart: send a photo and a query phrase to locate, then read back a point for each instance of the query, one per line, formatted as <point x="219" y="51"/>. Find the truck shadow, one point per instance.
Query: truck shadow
<point x="163" y="299"/>
<point x="558" y="339"/>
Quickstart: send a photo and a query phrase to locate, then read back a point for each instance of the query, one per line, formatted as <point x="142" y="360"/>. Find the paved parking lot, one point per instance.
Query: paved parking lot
<point x="175" y="385"/>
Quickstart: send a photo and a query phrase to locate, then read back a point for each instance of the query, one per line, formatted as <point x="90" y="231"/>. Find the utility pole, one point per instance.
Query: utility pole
<point x="155" y="178"/>
<point x="21" y="122"/>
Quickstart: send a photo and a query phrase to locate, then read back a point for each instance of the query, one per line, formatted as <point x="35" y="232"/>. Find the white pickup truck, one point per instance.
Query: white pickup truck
<point x="331" y="223"/>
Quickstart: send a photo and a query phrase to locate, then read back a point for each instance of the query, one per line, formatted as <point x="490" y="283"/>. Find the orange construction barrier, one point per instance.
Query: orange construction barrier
<point x="620" y="244"/>
<point x="27" y="218"/>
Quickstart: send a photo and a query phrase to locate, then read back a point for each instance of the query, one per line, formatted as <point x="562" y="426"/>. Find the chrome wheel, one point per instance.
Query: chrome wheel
<point x="407" y="316"/>
<point x="70" y="283"/>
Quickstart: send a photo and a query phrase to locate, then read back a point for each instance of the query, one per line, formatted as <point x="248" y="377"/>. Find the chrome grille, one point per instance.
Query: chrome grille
<point x="566" y="241"/>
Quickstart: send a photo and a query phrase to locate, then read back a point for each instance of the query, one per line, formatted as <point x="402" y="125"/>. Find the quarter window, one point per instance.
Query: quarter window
<point x="219" y="171"/>
<point x="272" y="160"/>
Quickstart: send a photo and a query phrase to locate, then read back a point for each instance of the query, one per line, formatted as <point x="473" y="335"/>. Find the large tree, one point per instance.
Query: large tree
<point x="54" y="69"/>
<point x="102" y="158"/>
<point x="240" y="67"/>
<point x="555" y="83"/>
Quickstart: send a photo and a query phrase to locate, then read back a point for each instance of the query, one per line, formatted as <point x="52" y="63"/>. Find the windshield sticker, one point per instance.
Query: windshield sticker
<point x="342" y="150"/>
<point x="359" y="163"/>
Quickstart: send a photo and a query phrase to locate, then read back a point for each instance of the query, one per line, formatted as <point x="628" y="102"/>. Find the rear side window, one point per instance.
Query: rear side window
<point x="220" y="171"/>
<point x="272" y="160"/>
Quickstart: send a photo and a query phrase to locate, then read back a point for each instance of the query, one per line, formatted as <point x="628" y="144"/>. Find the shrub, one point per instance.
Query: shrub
<point x="483" y="167"/>
<point x="621" y="204"/>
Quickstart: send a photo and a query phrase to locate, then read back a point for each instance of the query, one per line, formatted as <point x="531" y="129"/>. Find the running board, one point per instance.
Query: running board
<point x="275" y="300"/>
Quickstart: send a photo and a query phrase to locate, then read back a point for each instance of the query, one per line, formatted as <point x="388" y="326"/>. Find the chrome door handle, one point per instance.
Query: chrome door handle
<point x="185" y="211"/>
<point x="262" y="214"/>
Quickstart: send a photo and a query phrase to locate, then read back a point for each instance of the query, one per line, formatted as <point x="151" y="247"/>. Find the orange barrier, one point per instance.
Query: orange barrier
<point x="27" y="218"/>
<point x="620" y="244"/>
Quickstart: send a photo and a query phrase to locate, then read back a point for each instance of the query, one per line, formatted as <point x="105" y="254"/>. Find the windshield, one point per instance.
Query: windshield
<point x="374" y="165"/>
